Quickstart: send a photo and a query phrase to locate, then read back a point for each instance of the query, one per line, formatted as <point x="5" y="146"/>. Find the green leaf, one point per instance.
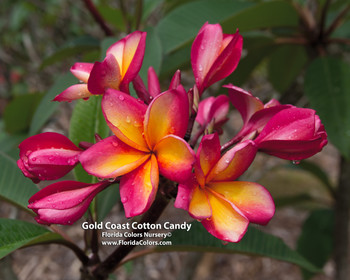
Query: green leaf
<point x="149" y="6"/>
<point x="19" y="112"/>
<point x="285" y="64"/>
<point x="15" y="234"/>
<point x="47" y="107"/>
<point x="87" y="120"/>
<point x="327" y="85"/>
<point x="106" y="200"/>
<point x="153" y="53"/>
<point x="112" y="15"/>
<point x="14" y="187"/>
<point x="316" y="240"/>
<point x="182" y="24"/>
<point x="255" y="242"/>
<point x="76" y="46"/>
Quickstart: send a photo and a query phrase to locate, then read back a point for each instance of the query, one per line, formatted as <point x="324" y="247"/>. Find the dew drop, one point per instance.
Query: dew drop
<point x="137" y="124"/>
<point x="200" y="68"/>
<point x="128" y="119"/>
<point x="111" y="180"/>
<point x="227" y="161"/>
<point x="115" y="144"/>
<point x="100" y="179"/>
<point x="124" y="199"/>
<point x="184" y="197"/>
<point x="34" y="159"/>
<point x="121" y="97"/>
<point x="25" y="159"/>
<point x="172" y="130"/>
<point x="296" y="162"/>
<point x="51" y="158"/>
<point x="202" y="47"/>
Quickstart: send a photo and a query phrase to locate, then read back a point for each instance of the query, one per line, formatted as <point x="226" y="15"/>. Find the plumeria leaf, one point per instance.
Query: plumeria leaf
<point x="14" y="187"/>
<point x="19" y="112"/>
<point x="87" y="120"/>
<point x="327" y="85"/>
<point x="316" y="240"/>
<point x="293" y="56"/>
<point x="15" y="234"/>
<point x="46" y="108"/>
<point x="76" y="46"/>
<point x="181" y="25"/>
<point x="255" y="242"/>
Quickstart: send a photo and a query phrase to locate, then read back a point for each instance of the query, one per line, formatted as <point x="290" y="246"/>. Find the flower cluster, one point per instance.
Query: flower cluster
<point x="151" y="138"/>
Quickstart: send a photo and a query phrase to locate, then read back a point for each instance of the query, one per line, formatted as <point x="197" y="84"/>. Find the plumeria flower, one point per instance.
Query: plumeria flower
<point x="214" y="55"/>
<point x="225" y="207"/>
<point x="64" y="202"/>
<point x="255" y="114"/>
<point x="293" y="134"/>
<point x="82" y="72"/>
<point x="147" y="141"/>
<point x="47" y="156"/>
<point x="213" y="110"/>
<point x="122" y="63"/>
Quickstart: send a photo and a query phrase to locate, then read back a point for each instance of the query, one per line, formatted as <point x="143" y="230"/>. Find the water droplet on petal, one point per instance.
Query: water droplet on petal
<point x="200" y="68"/>
<point x="227" y="161"/>
<point x="121" y="97"/>
<point x="128" y="119"/>
<point x="111" y="180"/>
<point x="124" y="199"/>
<point x="34" y="159"/>
<point x="100" y="179"/>
<point x="115" y="144"/>
<point x="51" y="158"/>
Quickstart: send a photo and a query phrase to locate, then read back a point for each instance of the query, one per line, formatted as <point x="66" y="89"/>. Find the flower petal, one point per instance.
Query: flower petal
<point x="228" y="59"/>
<point x="153" y="82"/>
<point x="184" y="192"/>
<point x="73" y="92"/>
<point x="82" y="70"/>
<point x="138" y="188"/>
<point x="125" y="115"/>
<point x="244" y="102"/>
<point x="175" y="158"/>
<point x="234" y="162"/>
<point x="105" y="74"/>
<point x="111" y="158"/>
<point x="129" y="53"/>
<point x="208" y="153"/>
<point x="205" y="49"/>
<point x="225" y="223"/>
<point x="167" y="114"/>
<point x="252" y="199"/>
<point x="199" y="207"/>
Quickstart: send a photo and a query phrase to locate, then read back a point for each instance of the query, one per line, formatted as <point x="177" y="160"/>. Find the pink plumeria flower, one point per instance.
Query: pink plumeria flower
<point x="225" y="207"/>
<point x="213" y="110"/>
<point x="147" y="141"/>
<point x="81" y="71"/>
<point x="214" y="55"/>
<point x="64" y="202"/>
<point x="255" y="114"/>
<point x="293" y="134"/>
<point x="47" y="156"/>
<point x="122" y="63"/>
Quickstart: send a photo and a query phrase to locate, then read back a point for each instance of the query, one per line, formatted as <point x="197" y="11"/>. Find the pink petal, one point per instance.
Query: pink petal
<point x="105" y="74"/>
<point x="208" y="153"/>
<point x="125" y="116"/>
<point x="141" y="90"/>
<point x="252" y="199"/>
<point x="129" y="53"/>
<point x="244" y="102"/>
<point x="205" y="49"/>
<point x="82" y="70"/>
<point x="153" y="83"/>
<point x="73" y="92"/>
<point x="184" y="192"/>
<point x="167" y="114"/>
<point x="138" y="188"/>
<point x="234" y="162"/>
<point x="175" y="80"/>
<point x="212" y="108"/>
<point x="175" y="158"/>
<point x="111" y="158"/>
<point x="227" y="61"/>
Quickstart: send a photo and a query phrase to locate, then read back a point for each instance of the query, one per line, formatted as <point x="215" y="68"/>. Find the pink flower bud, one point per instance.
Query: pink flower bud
<point x="47" y="156"/>
<point x="64" y="202"/>
<point x="293" y="134"/>
<point x="214" y="55"/>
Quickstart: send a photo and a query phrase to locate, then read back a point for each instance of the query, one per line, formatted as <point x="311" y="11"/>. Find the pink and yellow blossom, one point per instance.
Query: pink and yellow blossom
<point x="225" y="207"/>
<point x="147" y="142"/>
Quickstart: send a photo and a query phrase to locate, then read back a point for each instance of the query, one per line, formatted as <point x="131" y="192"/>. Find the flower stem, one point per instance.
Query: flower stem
<point x="111" y="263"/>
